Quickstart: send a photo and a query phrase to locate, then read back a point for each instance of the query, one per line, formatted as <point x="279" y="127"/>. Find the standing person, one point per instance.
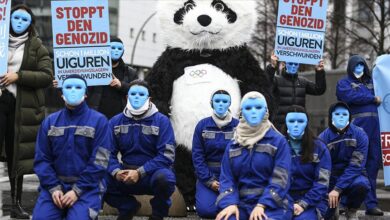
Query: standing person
<point x="71" y="158"/>
<point x="311" y="165"/>
<point x="255" y="173"/>
<point x="211" y="136"/>
<point x="357" y="91"/>
<point x="291" y="89"/>
<point x="146" y="141"/>
<point x="347" y="145"/>
<point x="22" y="100"/>
<point x="111" y="100"/>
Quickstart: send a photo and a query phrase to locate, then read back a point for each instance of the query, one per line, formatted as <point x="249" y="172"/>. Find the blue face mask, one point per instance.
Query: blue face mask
<point x="292" y="68"/>
<point x="359" y="70"/>
<point x="340" y="117"/>
<point x="221" y="104"/>
<point x="137" y="96"/>
<point x="296" y="123"/>
<point x="73" y="91"/>
<point x="253" y="110"/>
<point x="117" y="50"/>
<point x="20" y="21"/>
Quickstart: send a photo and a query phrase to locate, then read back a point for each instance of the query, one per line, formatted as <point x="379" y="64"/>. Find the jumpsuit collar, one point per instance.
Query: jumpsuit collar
<point x="78" y="110"/>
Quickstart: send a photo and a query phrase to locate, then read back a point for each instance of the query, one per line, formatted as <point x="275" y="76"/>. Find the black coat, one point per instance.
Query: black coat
<point x="108" y="100"/>
<point x="291" y="90"/>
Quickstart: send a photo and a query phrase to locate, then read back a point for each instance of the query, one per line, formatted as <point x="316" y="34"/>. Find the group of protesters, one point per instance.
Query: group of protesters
<point x="247" y="167"/>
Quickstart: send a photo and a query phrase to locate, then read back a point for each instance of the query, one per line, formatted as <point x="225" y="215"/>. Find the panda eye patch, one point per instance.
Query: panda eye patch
<point x="219" y="6"/>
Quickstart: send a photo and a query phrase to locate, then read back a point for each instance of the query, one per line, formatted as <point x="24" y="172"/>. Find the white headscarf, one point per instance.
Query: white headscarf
<point x="247" y="135"/>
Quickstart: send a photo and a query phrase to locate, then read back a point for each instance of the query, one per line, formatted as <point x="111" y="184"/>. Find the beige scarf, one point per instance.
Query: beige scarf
<point x="222" y="122"/>
<point x="247" y="135"/>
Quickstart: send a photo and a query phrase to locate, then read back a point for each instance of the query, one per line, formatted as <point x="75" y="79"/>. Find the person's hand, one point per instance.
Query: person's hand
<point x="258" y="213"/>
<point x="57" y="198"/>
<point x="120" y="175"/>
<point x="55" y="84"/>
<point x="298" y="209"/>
<point x="131" y="177"/>
<point x="320" y="66"/>
<point x="69" y="199"/>
<point x="227" y="212"/>
<point x="9" y="78"/>
<point x="378" y="100"/>
<point x="333" y="199"/>
<point x="274" y="60"/>
<point x="115" y="83"/>
<point x="215" y="186"/>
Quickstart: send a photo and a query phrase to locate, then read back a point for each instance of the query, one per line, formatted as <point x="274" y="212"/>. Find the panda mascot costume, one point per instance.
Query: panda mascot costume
<point x="206" y="51"/>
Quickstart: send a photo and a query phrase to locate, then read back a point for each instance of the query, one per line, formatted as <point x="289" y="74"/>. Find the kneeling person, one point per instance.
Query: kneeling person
<point x="145" y="139"/>
<point x="71" y="158"/>
<point x="348" y="146"/>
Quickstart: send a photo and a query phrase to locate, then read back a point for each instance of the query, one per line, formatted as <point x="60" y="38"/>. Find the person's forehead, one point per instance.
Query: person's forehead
<point x="340" y="109"/>
<point x="138" y="88"/>
<point x="74" y="81"/>
<point x="221" y="96"/>
<point x="297" y="115"/>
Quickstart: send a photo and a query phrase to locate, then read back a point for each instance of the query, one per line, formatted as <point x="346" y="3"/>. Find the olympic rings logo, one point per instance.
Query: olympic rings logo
<point x="198" y="73"/>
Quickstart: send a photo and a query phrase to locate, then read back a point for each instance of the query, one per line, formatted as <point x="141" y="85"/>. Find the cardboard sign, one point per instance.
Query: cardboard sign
<point x="381" y="78"/>
<point x="300" y="31"/>
<point x="5" y="9"/>
<point x="81" y="40"/>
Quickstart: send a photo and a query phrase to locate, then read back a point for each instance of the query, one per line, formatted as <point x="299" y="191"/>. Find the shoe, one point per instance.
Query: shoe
<point x="341" y="210"/>
<point x="351" y="214"/>
<point x="18" y="212"/>
<point x="155" y="218"/>
<point x="131" y="215"/>
<point x="374" y="211"/>
<point x="191" y="208"/>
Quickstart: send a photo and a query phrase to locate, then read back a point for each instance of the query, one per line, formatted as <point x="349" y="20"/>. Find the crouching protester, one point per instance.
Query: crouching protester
<point x="348" y="146"/>
<point x="145" y="139"/>
<point x="311" y="165"/>
<point x="71" y="158"/>
<point x="211" y="136"/>
<point x="255" y="173"/>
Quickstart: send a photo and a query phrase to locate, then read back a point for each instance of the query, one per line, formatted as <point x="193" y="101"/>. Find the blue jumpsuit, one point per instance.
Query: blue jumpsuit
<point x="349" y="154"/>
<point x="72" y="152"/>
<point x="359" y="95"/>
<point x="309" y="181"/>
<point x="147" y="144"/>
<point x="260" y="175"/>
<point x="208" y="146"/>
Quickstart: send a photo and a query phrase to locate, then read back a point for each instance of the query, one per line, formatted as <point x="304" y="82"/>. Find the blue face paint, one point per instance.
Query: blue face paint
<point x="340" y="117"/>
<point x="292" y="68"/>
<point x="221" y="104"/>
<point x="359" y="70"/>
<point x="73" y="91"/>
<point x="20" y="21"/>
<point x="253" y="110"/>
<point x="296" y="123"/>
<point x="137" y="96"/>
<point x="117" y="50"/>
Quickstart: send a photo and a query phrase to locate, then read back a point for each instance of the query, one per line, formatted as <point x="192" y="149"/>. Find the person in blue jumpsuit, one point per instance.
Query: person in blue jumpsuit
<point x="311" y="165"/>
<point x="71" y="157"/>
<point x="357" y="91"/>
<point x="211" y="136"/>
<point x="348" y="146"/>
<point x="145" y="139"/>
<point x="255" y="172"/>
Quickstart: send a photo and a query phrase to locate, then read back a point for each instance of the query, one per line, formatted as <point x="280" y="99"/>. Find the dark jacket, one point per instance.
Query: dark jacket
<point x="35" y="74"/>
<point x="291" y="90"/>
<point x="108" y="100"/>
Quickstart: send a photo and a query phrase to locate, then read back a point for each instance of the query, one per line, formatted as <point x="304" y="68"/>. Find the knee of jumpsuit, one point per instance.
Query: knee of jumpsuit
<point x="117" y="196"/>
<point x="309" y="214"/>
<point x="205" y="201"/>
<point x="356" y="192"/>
<point x="163" y="183"/>
<point x="279" y="214"/>
<point x="45" y="209"/>
<point x="87" y="206"/>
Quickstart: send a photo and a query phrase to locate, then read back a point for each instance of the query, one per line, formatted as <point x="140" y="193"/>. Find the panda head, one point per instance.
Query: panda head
<point x="207" y="24"/>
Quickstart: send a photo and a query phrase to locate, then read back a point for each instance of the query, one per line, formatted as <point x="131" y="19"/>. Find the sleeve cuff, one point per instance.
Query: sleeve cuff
<point x="58" y="187"/>
<point x="114" y="172"/>
<point x="141" y="171"/>
<point x="77" y="190"/>
<point x="210" y="181"/>
<point x="337" y="189"/>
<point x="303" y="204"/>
